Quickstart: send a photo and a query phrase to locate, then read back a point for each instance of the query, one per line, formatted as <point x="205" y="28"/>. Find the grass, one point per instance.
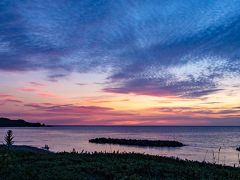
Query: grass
<point x="156" y="143"/>
<point x="24" y="165"/>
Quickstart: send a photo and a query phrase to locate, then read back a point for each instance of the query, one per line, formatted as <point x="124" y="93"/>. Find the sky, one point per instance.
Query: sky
<point x="118" y="62"/>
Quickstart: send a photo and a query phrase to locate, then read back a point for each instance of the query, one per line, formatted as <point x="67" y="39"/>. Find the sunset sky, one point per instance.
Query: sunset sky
<point x="119" y="62"/>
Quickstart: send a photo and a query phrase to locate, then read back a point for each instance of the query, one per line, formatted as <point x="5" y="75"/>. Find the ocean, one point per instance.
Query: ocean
<point x="202" y="143"/>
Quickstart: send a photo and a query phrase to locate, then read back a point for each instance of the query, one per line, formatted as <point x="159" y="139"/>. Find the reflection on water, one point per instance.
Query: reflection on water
<point x="201" y="141"/>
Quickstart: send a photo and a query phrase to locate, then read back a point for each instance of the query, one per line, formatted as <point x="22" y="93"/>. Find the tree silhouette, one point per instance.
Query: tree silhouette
<point x="9" y="139"/>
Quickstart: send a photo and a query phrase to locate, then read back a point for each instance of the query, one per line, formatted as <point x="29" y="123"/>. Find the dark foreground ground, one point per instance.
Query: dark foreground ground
<point x="21" y="164"/>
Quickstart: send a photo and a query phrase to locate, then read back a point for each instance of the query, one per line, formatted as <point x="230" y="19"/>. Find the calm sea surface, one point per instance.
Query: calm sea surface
<point x="202" y="142"/>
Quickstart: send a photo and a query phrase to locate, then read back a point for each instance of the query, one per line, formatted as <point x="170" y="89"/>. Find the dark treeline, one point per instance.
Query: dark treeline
<point x="5" y="122"/>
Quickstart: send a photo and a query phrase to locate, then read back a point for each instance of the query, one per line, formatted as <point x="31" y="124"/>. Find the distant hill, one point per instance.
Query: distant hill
<point x="5" y="122"/>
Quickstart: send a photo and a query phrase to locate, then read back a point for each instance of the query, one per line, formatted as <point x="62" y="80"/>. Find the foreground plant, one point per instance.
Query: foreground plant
<point x="9" y="139"/>
<point x="6" y="155"/>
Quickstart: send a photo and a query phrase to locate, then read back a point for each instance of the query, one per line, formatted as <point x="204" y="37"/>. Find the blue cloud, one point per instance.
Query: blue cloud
<point x="149" y="45"/>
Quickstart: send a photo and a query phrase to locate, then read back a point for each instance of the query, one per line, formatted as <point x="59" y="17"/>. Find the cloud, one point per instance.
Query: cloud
<point x="67" y="108"/>
<point x="98" y="119"/>
<point x="5" y="101"/>
<point x="56" y="77"/>
<point x="47" y="94"/>
<point x="152" y="47"/>
<point x="35" y="84"/>
<point x="96" y="115"/>
<point x="95" y="101"/>
<point x="197" y="111"/>
<point x="161" y="88"/>
<point x="7" y="96"/>
<point x="28" y="90"/>
<point x="40" y="92"/>
<point x="81" y="84"/>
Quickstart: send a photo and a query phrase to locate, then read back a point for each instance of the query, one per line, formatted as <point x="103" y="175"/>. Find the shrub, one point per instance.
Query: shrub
<point x="9" y="139"/>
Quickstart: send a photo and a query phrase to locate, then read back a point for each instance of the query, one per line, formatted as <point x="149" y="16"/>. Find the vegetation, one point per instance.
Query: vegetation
<point x="30" y="163"/>
<point x="136" y="142"/>
<point x="46" y="147"/>
<point x="23" y="165"/>
<point x="9" y="139"/>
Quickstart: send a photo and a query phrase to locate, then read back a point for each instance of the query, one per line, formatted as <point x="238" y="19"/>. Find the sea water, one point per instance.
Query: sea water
<point x="211" y="144"/>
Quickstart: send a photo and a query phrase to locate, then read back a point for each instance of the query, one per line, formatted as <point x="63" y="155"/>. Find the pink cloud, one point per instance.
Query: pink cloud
<point x="28" y="90"/>
<point x="40" y="92"/>
<point x="3" y="102"/>
<point x="47" y="94"/>
<point x="97" y="115"/>
<point x="7" y="96"/>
